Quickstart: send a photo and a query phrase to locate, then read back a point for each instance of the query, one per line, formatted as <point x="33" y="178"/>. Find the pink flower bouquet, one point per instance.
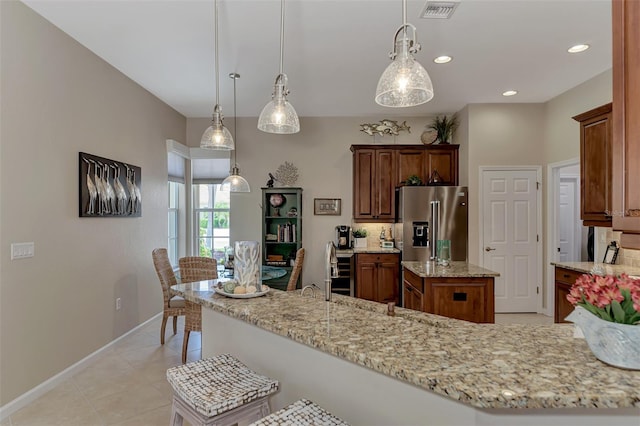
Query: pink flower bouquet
<point x="615" y="299"/>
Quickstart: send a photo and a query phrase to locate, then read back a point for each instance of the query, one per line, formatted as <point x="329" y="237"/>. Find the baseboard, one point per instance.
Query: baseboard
<point x="44" y="387"/>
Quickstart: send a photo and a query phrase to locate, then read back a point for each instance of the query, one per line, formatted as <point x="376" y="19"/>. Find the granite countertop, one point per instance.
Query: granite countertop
<point x="608" y="269"/>
<point x="483" y="365"/>
<point x="455" y="269"/>
<point x="370" y="249"/>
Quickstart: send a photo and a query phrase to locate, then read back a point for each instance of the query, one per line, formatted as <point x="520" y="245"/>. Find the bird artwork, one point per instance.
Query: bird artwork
<point x="385" y="127"/>
<point x="121" y="194"/>
<point x="93" y="193"/>
<point x="270" y="181"/>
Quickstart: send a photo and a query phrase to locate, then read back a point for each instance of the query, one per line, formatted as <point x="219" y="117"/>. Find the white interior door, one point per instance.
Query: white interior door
<point x="568" y="235"/>
<point x="509" y="236"/>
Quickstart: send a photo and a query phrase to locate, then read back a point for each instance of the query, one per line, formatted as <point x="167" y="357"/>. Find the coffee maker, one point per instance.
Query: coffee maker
<point x="343" y="237"/>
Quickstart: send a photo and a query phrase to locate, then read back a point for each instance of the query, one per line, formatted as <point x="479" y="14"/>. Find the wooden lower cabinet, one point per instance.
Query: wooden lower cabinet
<point x="465" y="298"/>
<point x="564" y="280"/>
<point x="377" y="277"/>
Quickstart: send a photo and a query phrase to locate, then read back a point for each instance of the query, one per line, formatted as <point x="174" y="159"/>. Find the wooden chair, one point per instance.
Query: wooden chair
<point x="193" y="269"/>
<point x="297" y="269"/>
<point x="173" y="306"/>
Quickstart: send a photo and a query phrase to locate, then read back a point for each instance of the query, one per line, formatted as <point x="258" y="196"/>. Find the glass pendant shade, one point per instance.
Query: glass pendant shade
<point x="235" y="183"/>
<point x="217" y="137"/>
<point x="279" y="116"/>
<point x="404" y="83"/>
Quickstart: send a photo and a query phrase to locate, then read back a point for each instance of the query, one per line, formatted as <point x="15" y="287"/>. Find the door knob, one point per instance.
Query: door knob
<point x="487" y="248"/>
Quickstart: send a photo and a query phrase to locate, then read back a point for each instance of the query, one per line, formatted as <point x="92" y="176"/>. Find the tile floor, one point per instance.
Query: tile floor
<point x="127" y="385"/>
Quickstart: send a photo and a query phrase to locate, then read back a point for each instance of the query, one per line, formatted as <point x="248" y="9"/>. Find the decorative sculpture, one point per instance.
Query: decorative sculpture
<point x="385" y="127"/>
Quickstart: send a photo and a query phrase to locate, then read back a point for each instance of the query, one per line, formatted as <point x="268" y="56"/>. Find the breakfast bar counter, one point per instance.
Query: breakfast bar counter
<point x="414" y="368"/>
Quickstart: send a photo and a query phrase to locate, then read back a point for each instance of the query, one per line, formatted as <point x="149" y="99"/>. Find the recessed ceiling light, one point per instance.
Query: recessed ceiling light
<point x="578" y="48"/>
<point x="442" y="59"/>
<point x="510" y="93"/>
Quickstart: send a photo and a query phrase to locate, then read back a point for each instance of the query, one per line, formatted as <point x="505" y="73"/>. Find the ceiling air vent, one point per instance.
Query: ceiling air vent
<point x="439" y="9"/>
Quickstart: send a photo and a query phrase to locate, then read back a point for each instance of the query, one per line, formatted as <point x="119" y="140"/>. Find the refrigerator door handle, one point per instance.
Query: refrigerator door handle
<point x="435" y="227"/>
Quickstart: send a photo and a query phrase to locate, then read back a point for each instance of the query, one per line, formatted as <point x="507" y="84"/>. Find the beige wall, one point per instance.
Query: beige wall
<point x="57" y="99"/>
<point x="499" y="135"/>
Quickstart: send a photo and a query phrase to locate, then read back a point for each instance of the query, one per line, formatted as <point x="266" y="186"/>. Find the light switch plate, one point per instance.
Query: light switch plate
<point x="22" y="250"/>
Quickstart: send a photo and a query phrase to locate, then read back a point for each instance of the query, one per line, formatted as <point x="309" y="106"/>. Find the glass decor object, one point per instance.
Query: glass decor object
<point x="279" y="116"/>
<point x="444" y="252"/>
<point x="247" y="264"/>
<point x="234" y="182"/>
<point x="217" y="136"/>
<point x="405" y="82"/>
<point x="612" y="343"/>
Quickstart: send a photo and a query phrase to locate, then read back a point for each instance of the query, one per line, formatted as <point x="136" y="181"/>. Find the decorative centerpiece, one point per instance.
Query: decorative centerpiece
<point x="360" y="238"/>
<point x="247" y="266"/>
<point x="608" y="314"/>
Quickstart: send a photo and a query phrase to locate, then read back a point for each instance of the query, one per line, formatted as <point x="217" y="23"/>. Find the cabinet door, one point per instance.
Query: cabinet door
<point x="366" y="280"/>
<point x="563" y="306"/>
<point x="626" y="126"/>
<point x="595" y="166"/>
<point x="387" y="282"/>
<point x="444" y="160"/>
<point x="385" y="185"/>
<point x="463" y="301"/>
<point x="411" y="162"/>
<point x="412" y="297"/>
<point x="364" y="163"/>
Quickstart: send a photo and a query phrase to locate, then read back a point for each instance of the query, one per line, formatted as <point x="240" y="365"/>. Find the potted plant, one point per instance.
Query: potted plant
<point x="413" y="180"/>
<point x="444" y="127"/>
<point x="608" y="314"/>
<point x="360" y="238"/>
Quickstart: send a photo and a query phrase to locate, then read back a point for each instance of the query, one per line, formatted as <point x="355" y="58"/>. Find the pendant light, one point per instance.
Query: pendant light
<point x="279" y="116"/>
<point x="405" y="82"/>
<point x="234" y="182"/>
<point x="217" y="136"/>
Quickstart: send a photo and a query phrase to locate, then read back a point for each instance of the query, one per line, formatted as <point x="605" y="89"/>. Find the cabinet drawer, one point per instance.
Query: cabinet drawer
<point x="567" y="275"/>
<point x="461" y="301"/>
<point x="377" y="258"/>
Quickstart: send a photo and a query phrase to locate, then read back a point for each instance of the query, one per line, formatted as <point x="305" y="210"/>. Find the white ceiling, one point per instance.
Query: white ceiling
<point x="335" y="50"/>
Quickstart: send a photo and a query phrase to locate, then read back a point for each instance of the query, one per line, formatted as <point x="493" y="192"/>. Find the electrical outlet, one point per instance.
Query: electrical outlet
<point x="118" y="304"/>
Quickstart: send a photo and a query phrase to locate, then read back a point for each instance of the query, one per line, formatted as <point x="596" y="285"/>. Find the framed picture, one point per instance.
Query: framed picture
<point x="611" y="254"/>
<point x="108" y="188"/>
<point x="327" y="206"/>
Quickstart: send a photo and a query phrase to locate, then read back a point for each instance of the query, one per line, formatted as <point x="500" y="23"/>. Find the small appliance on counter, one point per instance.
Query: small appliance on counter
<point x="343" y="237"/>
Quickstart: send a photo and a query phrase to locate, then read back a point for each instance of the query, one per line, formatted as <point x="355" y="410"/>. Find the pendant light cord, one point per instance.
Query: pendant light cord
<point x="215" y="12"/>
<point x="281" y="35"/>
<point x="404" y="17"/>
<point x="235" y="76"/>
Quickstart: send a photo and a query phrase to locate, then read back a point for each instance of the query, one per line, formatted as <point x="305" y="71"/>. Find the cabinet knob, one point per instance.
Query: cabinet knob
<point x="566" y="276"/>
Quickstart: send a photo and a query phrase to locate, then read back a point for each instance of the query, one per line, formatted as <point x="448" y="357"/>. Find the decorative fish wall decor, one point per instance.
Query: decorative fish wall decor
<point x="385" y="127"/>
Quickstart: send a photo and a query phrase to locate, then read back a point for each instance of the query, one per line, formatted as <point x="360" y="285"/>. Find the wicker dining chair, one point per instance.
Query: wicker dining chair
<point x="172" y="306"/>
<point x="192" y="269"/>
<point x="297" y="269"/>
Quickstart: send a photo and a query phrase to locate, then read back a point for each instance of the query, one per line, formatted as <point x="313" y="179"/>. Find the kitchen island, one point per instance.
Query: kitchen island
<point x="414" y="368"/>
<point x="460" y="290"/>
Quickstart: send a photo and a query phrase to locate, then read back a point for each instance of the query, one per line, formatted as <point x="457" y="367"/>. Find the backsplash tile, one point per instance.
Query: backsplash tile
<point x="625" y="256"/>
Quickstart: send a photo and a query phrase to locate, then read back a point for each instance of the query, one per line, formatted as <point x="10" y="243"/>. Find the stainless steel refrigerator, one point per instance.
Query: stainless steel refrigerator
<point x="426" y="214"/>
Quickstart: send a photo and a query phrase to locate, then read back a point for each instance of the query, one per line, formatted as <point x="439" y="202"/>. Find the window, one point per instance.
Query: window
<point x="173" y="232"/>
<point x="212" y="216"/>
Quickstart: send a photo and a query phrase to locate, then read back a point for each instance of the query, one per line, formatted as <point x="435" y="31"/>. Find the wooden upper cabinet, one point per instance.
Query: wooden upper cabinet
<point x="373" y="184"/>
<point x="626" y="125"/>
<point x="595" y="166"/>
<point x="443" y="159"/>
<point x="379" y="169"/>
<point x="410" y="162"/>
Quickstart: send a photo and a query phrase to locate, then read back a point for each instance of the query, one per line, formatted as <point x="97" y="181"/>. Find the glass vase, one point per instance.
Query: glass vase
<point x="612" y="343"/>
<point x="247" y="264"/>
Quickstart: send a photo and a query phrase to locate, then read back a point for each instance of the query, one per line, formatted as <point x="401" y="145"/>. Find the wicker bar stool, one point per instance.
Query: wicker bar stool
<point x="218" y="391"/>
<point x="193" y="269"/>
<point x="301" y="412"/>
<point x="172" y="306"/>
